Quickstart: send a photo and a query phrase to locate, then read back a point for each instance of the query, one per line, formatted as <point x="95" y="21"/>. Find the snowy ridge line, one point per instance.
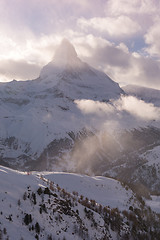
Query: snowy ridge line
<point x="90" y="203"/>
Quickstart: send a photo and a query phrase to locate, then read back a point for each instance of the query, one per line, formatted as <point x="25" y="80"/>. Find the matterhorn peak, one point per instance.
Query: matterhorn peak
<point x="65" y="50"/>
<point x="65" y="57"/>
<point x="65" y="53"/>
<point x="75" y="78"/>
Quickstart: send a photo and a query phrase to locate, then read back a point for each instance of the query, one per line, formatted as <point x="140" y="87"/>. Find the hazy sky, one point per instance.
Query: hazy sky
<point x="121" y="37"/>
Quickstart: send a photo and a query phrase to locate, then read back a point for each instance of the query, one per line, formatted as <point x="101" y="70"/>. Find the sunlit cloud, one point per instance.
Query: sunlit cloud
<point x="152" y="39"/>
<point x="132" y="105"/>
<point x="90" y="106"/>
<point x="19" y="69"/>
<point x="121" y="26"/>
<point x="121" y="64"/>
<point x="138" y="108"/>
<point x="116" y="7"/>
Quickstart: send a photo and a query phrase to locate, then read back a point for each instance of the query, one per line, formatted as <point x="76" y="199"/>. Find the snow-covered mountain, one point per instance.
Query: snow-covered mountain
<point x="75" y="118"/>
<point x="37" y="117"/>
<point x="41" y="126"/>
<point x="43" y="205"/>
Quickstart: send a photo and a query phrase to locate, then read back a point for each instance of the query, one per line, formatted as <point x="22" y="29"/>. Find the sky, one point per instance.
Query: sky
<point x="119" y="37"/>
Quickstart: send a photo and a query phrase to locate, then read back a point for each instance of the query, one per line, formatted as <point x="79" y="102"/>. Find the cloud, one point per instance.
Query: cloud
<point x="118" y="62"/>
<point x="138" y="108"/>
<point x="116" y="7"/>
<point x="134" y="107"/>
<point x="45" y="17"/>
<point x="92" y="107"/>
<point x="139" y="70"/>
<point x="152" y="39"/>
<point x="122" y="26"/>
<point x="27" y="57"/>
<point x="123" y="19"/>
<point x="20" y="70"/>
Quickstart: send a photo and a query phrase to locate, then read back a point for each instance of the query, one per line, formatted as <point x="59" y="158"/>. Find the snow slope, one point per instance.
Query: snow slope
<point x="105" y="191"/>
<point x="32" y="206"/>
<point x="154" y="203"/>
<point x="152" y="157"/>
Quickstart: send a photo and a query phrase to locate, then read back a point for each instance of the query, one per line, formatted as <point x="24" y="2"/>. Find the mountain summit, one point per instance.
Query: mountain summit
<point x="65" y="57"/>
<point x="75" y="78"/>
<point x="65" y="52"/>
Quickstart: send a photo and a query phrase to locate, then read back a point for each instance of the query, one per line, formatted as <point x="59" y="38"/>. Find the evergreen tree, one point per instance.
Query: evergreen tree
<point x="37" y="228"/>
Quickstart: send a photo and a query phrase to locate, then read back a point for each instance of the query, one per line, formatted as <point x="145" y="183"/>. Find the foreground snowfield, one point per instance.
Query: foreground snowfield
<point x="105" y="191"/>
<point x="43" y="205"/>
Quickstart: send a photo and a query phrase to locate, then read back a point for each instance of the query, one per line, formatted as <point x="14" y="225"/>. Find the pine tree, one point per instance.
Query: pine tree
<point x="37" y="228"/>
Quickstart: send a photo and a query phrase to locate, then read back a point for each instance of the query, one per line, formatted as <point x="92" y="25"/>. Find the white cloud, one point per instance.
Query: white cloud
<point x="123" y="18"/>
<point x="21" y="70"/>
<point x="32" y="54"/>
<point x="138" y="108"/>
<point x="118" y="7"/>
<point x="117" y="62"/>
<point x="152" y="38"/>
<point x="146" y="14"/>
<point x="134" y="107"/>
<point x="92" y="107"/>
<point x="121" y="26"/>
<point x="139" y="70"/>
<point x="123" y="47"/>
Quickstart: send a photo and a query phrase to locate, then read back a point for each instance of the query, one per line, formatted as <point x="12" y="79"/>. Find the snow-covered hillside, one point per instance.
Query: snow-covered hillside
<point x="37" y="113"/>
<point x="105" y="191"/>
<point x="32" y="206"/>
